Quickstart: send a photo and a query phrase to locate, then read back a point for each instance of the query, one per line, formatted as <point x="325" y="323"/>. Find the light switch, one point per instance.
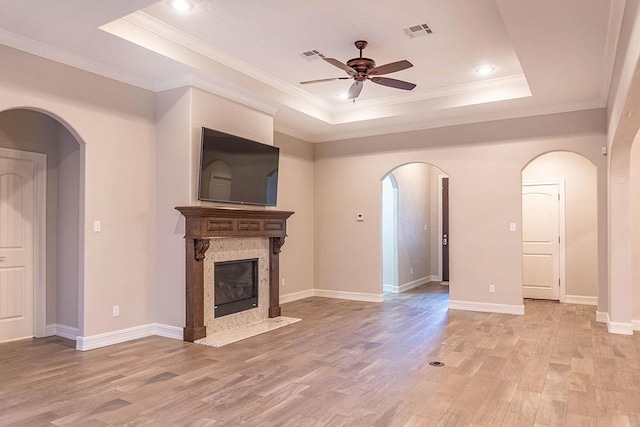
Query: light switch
<point x="512" y="226"/>
<point x="97" y="226"/>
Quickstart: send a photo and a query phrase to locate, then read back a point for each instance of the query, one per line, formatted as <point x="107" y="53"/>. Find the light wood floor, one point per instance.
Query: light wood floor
<point x="346" y="363"/>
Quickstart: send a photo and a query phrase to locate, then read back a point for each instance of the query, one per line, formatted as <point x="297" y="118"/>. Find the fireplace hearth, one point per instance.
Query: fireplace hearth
<point x="235" y="286"/>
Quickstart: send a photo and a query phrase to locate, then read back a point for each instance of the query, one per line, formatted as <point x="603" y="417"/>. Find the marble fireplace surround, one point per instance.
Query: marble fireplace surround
<point x="204" y="224"/>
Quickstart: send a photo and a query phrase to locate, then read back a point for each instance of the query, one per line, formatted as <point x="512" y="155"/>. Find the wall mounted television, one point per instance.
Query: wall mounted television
<point x="237" y="170"/>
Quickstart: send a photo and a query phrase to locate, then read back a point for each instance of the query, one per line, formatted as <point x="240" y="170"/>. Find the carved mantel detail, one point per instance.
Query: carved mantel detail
<point x="278" y="242"/>
<point x="200" y="246"/>
<point x="203" y="224"/>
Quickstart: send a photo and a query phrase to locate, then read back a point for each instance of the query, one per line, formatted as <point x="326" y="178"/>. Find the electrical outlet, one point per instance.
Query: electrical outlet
<point x="97" y="226"/>
<point x="116" y="310"/>
<point x="282" y="282"/>
<point x="492" y="289"/>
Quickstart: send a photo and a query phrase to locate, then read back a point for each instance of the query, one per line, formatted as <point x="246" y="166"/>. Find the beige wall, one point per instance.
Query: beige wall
<point x="484" y="163"/>
<point x="117" y="123"/>
<point x="181" y="114"/>
<point x="635" y="226"/>
<point x="581" y="215"/>
<point x="295" y="193"/>
<point x="69" y="224"/>
<point x="623" y="124"/>
<point x="414" y="181"/>
<point x="414" y="208"/>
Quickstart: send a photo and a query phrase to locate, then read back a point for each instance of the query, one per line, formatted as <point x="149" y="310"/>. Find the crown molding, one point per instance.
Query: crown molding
<point x="161" y="29"/>
<point x="454" y="121"/>
<point x="220" y="88"/>
<point x="19" y="42"/>
<point x="168" y="32"/>
<point x="463" y="89"/>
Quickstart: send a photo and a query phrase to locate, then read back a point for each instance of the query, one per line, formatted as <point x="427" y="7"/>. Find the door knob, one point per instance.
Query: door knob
<point x="3" y="258"/>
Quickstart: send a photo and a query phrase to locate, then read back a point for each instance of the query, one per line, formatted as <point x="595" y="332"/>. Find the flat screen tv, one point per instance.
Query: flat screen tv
<point x="237" y="170"/>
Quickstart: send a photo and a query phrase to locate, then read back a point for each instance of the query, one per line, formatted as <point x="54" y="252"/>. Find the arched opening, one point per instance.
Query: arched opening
<point x="58" y="259"/>
<point x="560" y="228"/>
<point x="412" y="228"/>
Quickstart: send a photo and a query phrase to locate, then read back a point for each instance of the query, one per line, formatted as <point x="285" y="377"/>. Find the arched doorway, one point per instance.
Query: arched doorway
<point x="412" y="227"/>
<point x="58" y="262"/>
<point x="560" y="228"/>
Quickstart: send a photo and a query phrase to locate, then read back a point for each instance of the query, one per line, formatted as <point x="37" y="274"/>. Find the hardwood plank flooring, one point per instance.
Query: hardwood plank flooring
<point x="345" y="364"/>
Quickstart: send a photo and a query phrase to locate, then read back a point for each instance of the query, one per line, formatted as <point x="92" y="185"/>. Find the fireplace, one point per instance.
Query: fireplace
<point x="235" y="286"/>
<point x="211" y="235"/>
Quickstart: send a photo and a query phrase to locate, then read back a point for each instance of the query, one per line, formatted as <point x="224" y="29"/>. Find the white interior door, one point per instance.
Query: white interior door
<point x="541" y="241"/>
<point x="17" y="214"/>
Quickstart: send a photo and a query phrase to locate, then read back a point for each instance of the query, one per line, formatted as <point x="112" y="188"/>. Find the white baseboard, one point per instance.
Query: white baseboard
<point x="413" y="284"/>
<point x="580" y="299"/>
<point x="295" y="296"/>
<point x="620" y="328"/>
<point x="486" y="307"/>
<point x="386" y="287"/>
<point x="62" y="331"/>
<point x="167" y="331"/>
<point x="354" y="296"/>
<point x="123" y="335"/>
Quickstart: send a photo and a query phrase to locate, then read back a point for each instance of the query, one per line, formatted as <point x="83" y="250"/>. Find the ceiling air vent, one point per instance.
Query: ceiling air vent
<point x="420" y="30"/>
<point x="312" y="55"/>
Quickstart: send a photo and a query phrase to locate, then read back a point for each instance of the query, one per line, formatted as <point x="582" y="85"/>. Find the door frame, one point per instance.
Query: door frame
<point x="561" y="228"/>
<point x="440" y="226"/>
<point x="393" y="286"/>
<point x="39" y="161"/>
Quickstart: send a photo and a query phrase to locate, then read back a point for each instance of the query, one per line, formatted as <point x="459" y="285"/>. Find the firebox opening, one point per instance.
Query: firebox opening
<point x="235" y="286"/>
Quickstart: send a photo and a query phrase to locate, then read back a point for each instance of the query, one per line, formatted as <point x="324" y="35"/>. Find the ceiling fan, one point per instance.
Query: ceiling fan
<point x="361" y="69"/>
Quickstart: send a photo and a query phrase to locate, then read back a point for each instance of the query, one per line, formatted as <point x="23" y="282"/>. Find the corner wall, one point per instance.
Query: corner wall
<point x="484" y="163"/>
<point x="116" y="122"/>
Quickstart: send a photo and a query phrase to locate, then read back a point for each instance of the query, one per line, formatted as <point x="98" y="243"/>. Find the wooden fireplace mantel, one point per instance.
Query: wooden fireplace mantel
<point x="203" y="224"/>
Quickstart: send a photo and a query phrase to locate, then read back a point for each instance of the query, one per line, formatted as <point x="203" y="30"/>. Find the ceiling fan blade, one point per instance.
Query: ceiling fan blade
<point x="391" y="68"/>
<point x="341" y="65"/>
<point x="398" y="84"/>
<point x="324" y="80"/>
<point x="355" y="89"/>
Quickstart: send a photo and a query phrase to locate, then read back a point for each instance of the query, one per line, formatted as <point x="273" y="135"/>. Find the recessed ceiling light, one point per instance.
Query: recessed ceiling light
<point x="181" y="5"/>
<point x="342" y="95"/>
<point x="485" y="70"/>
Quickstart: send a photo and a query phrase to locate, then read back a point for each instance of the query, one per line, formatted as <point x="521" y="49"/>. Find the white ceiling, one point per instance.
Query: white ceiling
<point x="549" y="55"/>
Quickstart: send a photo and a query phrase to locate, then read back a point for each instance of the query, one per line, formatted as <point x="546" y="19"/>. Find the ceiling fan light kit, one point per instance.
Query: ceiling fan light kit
<point x="361" y="69"/>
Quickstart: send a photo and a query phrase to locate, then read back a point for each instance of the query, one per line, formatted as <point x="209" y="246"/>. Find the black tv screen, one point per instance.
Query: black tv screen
<point x="237" y="170"/>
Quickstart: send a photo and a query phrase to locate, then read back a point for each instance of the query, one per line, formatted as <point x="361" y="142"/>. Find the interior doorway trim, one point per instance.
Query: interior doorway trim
<point x="440" y="177"/>
<point x="39" y="236"/>
<point x="561" y="228"/>
<point x="391" y="263"/>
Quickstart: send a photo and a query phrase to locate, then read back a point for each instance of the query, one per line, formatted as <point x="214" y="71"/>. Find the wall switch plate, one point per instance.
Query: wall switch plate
<point x="512" y="226"/>
<point x="116" y="310"/>
<point x="360" y="217"/>
<point x="282" y="282"/>
<point x="97" y="226"/>
<point x="492" y="289"/>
